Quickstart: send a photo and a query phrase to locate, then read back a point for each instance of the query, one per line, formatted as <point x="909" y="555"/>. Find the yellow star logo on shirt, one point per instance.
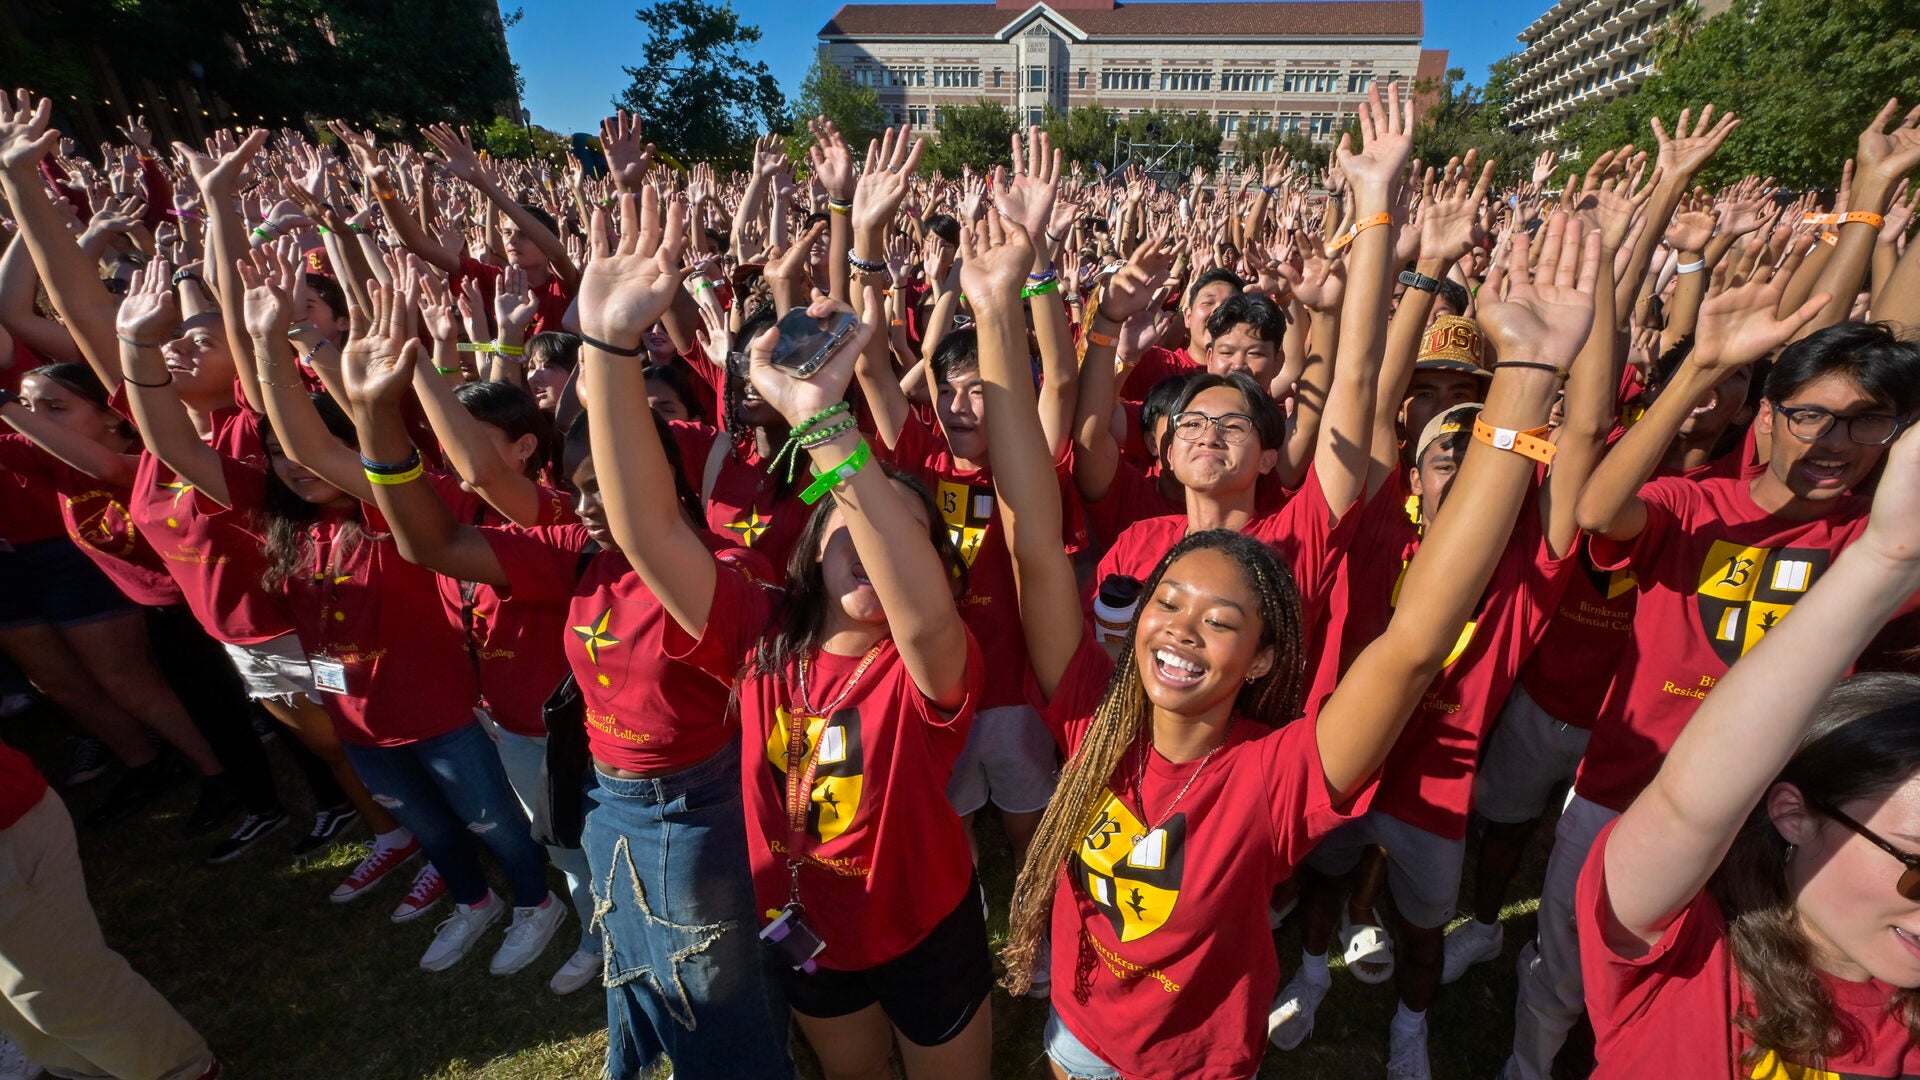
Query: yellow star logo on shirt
<point x="595" y="637"/>
<point x="750" y="527"/>
<point x="181" y="489"/>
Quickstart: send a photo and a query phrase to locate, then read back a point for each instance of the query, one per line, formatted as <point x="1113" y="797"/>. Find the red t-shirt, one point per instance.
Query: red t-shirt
<point x="1303" y="532"/>
<point x="358" y="603"/>
<point x="645" y="712"/>
<point x="1666" y="1013"/>
<point x="967" y="503"/>
<point x="1156" y="364"/>
<point x="1360" y="599"/>
<point x="1133" y="496"/>
<point x="1428" y="779"/>
<point x="553" y="297"/>
<point x="709" y="382"/>
<point x="885" y="858"/>
<point x="746" y="505"/>
<point x="213" y="554"/>
<point x="21" y="785"/>
<point x="1573" y="670"/>
<point x="94" y="514"/>
<point x="1161" y="963"/>
<point x="1714" y="572"/>
<point x="511" y="644"/>
<point x="29" y="507"/>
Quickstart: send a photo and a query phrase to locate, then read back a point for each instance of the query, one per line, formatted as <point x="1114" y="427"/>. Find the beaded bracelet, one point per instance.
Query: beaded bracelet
<point x="826" y="435"/>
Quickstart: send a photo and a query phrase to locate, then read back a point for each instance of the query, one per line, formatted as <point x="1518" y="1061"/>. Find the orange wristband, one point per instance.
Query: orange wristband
<point x="1356" y="229"/>
<point x="1866" y="217"/>
<point x="1821" y="219"/>
<point x="1531" y="444"/>
<point x="1830" y="239"/>
<point x="1101" y="340"/>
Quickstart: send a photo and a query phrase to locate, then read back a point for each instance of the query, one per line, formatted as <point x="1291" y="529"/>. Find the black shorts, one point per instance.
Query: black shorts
<point x="930" y="993"/>
<point x="52" y="581"/>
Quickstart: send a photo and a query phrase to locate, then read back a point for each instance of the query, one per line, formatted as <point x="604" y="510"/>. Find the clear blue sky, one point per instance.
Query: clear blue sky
<point x="571" y="51"/>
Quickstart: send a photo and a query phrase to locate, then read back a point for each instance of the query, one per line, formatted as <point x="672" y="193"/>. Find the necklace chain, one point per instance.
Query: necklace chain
<point x="1140" y="781"/>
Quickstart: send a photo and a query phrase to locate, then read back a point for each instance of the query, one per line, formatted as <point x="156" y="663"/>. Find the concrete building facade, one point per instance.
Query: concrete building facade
<point x="1581" y="51"/>
<point x="1286" y="65"/>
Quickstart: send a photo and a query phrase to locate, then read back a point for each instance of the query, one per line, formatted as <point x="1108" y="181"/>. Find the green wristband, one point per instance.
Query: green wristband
<point x="837" y="475"/>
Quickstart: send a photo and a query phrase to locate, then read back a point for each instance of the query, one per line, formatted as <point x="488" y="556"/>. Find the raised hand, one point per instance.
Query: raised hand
<point x="831" y="159"/>
<point x="627" y="287"/>
<point x="1449" y="221"/>
<point x="220" y="177"/>
<point x="25" y="136"/>
<point x="437" y="312"/>
<point x="1273" y="169"/>
<point x="1028" y="195"/>
<point x="1618" y="202"/>
<point x="1543" y="167"/>
<point x="1691" y="146"/>
<point x="883" y="182"/>
<point x="1885" y="156"/>
<point x="149" y="313"/>
<point x="456" y="152"/>
<point x="136" y="133"/>
<point x="376" y="368"/>
<point x="629" y="155"/>
<point x="1692" y="225"/>
<point x="1738" y="325"/>
<point x="513" y="301"/>
<point x="995" y="256"/>
<point x="1321" y="280"/>
<point x="1132" y="287"/>
<point x="973" y="195"/>
<point x="1548" y="310"/>
<point x="267" y="275"/>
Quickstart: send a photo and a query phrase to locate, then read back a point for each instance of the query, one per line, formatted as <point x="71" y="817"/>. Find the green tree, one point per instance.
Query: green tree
<point x="1084" y="135"/>
<point x="700" y="97"/>
<point x="1466" y="117"/>
<point x="1301" y="150"/>
<point x="828" y="91"/>
<point x="505" y="137"/>
<point x="1804" y="76"/>
<point x="1172" y="126"/>
<point x="975" y="135"/>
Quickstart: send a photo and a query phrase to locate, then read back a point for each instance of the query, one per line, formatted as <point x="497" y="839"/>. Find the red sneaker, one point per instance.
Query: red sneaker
<point x="373" y="868"/>
<point x="427" y="890"/>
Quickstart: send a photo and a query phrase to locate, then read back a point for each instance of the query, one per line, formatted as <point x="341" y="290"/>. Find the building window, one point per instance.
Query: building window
<point x="1083" y="78"/>
<point x="1358" y="82"/>
<point x="957" y="77"/>
<point x="1035" y="116"/>
<point x="1036" y="78"/>
<point x="1247" y="82"/>
<point x="917" y="115"/>
<point x="996" y="78"/>
<point x="1186" y="80"/>
<point x="1309" y="82"/>
<point x="1123" y="79"/>
<point x="1228" y="122"/>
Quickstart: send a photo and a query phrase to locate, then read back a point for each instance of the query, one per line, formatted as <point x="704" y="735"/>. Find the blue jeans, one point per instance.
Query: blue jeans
<point x="673" y="900"/>
<point x="450" y="790"/>
<point x="522" y="756"/>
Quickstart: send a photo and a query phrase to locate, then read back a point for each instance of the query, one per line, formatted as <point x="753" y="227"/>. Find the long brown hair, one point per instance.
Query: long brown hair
<point x="285" y="520"/>
<point x="1125" y="716"/>
<point x="1865" y="743"/>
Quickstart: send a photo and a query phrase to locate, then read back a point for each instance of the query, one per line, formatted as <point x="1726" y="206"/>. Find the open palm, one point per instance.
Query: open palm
<point x="627" y="287"/>
<point x="1548" y="309"/>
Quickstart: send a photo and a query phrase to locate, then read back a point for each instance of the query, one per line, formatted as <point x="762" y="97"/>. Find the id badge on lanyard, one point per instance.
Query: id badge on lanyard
<point x="788" y="935"/>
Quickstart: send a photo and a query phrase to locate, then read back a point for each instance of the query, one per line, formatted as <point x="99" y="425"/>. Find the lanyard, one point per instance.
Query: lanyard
<point x="802" y="763"/>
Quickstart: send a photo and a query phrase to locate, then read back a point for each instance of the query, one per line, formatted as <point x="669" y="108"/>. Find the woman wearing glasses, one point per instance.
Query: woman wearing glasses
<point x="1770" y="872"/>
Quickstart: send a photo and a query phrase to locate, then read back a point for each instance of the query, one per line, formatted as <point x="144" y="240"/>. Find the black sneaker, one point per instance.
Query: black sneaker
<point x="90" y="762"/>
<point x="251" y="829"/>
<point x="135" y="789"/>
<point x="217" y="800"/>
<point x="327" y="825"/>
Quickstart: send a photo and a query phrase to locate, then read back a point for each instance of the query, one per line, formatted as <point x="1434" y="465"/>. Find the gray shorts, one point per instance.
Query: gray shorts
<point x="1528" y="755"/>
<point x="1423" y="869"/>
<point x="1009" y="759"/>
<point x="274" y="669"/>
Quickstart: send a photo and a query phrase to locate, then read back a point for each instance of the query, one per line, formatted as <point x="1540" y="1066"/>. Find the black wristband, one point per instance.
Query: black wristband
<point x="1414" y="279"/>
<point x="864" y="266"/>
<point x="612" y="349"/>
<point x="1534" y="364"/>
<point x="131" y="381"/>
<point x="184" y="275"/>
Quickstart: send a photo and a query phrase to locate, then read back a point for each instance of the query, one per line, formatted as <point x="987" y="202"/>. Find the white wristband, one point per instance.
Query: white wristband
<point x="1689" y="268"/>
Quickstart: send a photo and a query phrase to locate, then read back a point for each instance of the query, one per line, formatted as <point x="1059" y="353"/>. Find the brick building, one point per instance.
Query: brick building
<point x="1288" y="65"/>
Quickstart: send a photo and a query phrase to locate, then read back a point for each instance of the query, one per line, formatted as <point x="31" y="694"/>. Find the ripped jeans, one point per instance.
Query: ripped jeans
<point x="673" y="899"/>
<point x="449" y="791"/>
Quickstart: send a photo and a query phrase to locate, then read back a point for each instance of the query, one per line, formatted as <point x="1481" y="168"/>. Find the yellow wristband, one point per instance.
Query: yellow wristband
<point x="395" y="478"/>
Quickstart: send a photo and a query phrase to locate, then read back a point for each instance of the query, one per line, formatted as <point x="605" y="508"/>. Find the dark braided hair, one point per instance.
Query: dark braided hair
<point x="1124" y="717"/>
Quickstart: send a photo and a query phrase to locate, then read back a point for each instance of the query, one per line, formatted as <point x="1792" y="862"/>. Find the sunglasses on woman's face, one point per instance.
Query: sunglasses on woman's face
<point x="1909" y="883"/>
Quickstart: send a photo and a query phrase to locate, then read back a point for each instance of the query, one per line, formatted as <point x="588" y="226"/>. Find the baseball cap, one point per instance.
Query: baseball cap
<point x="1458" y="418"/>
<point x="1452" y="343"/>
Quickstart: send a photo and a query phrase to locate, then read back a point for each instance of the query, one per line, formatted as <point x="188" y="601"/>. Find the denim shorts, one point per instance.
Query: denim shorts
<point x="274" y="669"/>
<point x="1073" y="1057"/>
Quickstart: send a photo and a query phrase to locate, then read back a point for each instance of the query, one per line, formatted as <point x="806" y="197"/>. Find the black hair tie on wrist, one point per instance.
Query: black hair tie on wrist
<point x="613" y="349"/>
<point x="1535" y="365"/>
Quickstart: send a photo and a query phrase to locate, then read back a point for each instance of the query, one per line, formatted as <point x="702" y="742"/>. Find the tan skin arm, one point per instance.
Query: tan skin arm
<point x="1883" y="158"/>
<point x="1545" y="317"/>
<point x="148" y="315"/>
<point x="1127" y="297"/>
<point x="18" y="279"/>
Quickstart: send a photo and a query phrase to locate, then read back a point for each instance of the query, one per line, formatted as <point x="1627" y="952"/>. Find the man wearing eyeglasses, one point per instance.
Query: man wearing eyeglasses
<point x="1717" y="562"/>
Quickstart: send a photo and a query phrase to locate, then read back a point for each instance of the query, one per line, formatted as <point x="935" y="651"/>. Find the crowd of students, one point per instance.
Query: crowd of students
<point x="1251" y="545"/>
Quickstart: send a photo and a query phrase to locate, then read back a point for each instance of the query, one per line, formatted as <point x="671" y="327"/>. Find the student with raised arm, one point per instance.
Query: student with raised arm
<point x="1756" y="909"/>
<point x="856" y="686"/>
<point x="1174" y="819"/>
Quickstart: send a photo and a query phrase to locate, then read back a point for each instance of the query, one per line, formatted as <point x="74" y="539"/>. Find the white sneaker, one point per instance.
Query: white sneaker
<point x="1290" y="1020"/>
<point x="1407" y="1053"/>
<point x="14" y="1062"/>
<point x="532" y="928"/>
<point x="1473" y="943"/>
<point x="580" y="969"/>
<point x="458" y="931"/>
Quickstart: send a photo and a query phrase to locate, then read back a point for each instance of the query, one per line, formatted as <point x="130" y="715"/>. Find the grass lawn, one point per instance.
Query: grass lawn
<point x="285" y="984"/>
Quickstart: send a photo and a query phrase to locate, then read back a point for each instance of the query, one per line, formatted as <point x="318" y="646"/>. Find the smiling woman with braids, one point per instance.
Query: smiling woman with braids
<point x="1193" y="787"/>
